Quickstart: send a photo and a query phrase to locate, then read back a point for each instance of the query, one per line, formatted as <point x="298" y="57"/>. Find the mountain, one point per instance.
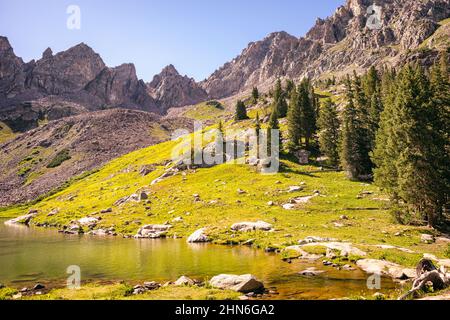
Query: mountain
<point x="339" y="44"/>
<point x="171" y="89"/>
<point x="82" y="142"/>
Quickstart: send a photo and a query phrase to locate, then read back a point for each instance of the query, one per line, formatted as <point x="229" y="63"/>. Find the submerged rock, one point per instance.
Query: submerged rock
<point x="243" y="283"/>
<point x="311" y="272"/>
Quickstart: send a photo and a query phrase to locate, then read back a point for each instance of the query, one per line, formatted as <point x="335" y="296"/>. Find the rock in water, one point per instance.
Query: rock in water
<point x="153" y="231"/>
<point x="25" y="219"/>
<point x="198" y="236"/>
<point x="244" y="283"/>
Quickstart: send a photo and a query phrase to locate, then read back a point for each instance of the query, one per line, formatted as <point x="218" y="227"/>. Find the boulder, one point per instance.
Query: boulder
<point x="314" y="239"/>
<point x="295" y="189"/>
<point x="345" y="248"/>
<point x="25" y="219"/>
<point x="387" y="268"/>
<point x="427" y="238"/>
<point x="198" y="236"/>
<point x="153" y="231"/>
<point x="251" y="226"/>
<point x="88" y="221"/>
<point x="243" y="283"/>
<point x="184" y="281"/>
<point x="146" y="169"/>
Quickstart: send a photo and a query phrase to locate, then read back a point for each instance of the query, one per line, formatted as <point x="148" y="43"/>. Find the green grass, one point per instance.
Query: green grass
<point x="122" y="291"/>
<point x="221" y="205"/>
<point x="206" y="111"/>
<point x="5" y="132"/>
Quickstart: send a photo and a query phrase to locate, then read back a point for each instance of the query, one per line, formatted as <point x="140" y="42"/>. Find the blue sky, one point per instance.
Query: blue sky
<point x="197" y="36"/>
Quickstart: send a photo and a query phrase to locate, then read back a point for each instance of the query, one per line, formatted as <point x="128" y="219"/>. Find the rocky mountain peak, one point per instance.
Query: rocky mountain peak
<point x="47" y="54"/>
<point x="5" y="46"/>
<point x="174" y="90"/>
<point x="338" y="44"/>
<point x="169" y="70"/>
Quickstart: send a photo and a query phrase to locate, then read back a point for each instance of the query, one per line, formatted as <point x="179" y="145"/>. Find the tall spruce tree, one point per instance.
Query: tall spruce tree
<point x="411" y="153"/>
<point x="354" y="147"/>
<point x="308" y="112"/>
<point x="255" y="95"/>
<point x="279" y="100"/>
<point x="241" y="111"/>
<point x="294" y="118"/>
<point x="329" y="131"/>
<point x="273" y="125"/>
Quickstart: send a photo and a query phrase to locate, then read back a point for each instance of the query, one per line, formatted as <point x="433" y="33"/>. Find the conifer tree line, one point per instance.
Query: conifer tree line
<point x="393" y="128"/>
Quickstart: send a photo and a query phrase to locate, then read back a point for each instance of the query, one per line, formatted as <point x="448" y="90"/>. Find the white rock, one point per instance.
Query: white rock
<point x="295" y="189"/>
<point x="184" y="281"/>
<point x="198" y="236"/>
<point x="244" y="283"/>
<point x="387" y="268"/>
<point x="87" y="221"/>
<point x="251" y="226"/>
<point x="153" y="231"/>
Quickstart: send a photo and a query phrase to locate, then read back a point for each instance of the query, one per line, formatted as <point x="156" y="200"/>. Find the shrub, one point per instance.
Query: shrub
<point x="59" y="159"/>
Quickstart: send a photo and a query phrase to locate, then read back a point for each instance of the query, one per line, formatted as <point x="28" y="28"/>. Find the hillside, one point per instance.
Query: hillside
<point x="329" y="206"/>
<point x="83" y="142"/>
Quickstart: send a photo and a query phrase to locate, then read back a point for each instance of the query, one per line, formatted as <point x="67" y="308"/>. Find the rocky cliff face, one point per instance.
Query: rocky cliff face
<point x="171" y="89"/>
<point x="77" y="75"/>
<point x="338" y="44"/>
<point x="120" y="87"/>
<point x="66" y="72"/>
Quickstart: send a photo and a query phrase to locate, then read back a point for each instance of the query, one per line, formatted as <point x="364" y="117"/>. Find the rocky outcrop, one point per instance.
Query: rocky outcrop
<point x="244" y="283"/>
<point x="153" y="231"/>
<point x="66" y="72"/>
<point x="120" y="87"/>
<point x="172" y="90"/>
<point x="387" y="268"/>
<point x="251" y="226"/>
<point x="337" y="44"/>
<point x="11" y="66"/>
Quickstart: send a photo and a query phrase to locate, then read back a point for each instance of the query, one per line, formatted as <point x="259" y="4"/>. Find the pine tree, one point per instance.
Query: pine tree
<point x="279" y="100"/>
<point x="255" y="95"/>
<point x="411" y="153"/>
<point x="257" y="131"/>
<point x="308" y="114"/>
<point x="290" y="86"/>
<point x="273" y="125"/>
<point x="354" y="150"/>
<point x="241" y="111"/>
<point x="294" y="118"/>
<point x="329" y="131"/>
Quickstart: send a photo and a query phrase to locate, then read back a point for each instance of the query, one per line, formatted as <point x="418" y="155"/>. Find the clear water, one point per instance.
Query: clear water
<point x="30" y="255"/>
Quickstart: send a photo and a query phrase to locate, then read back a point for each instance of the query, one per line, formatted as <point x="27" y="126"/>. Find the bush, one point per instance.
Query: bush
<point x="59" y="159"/>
